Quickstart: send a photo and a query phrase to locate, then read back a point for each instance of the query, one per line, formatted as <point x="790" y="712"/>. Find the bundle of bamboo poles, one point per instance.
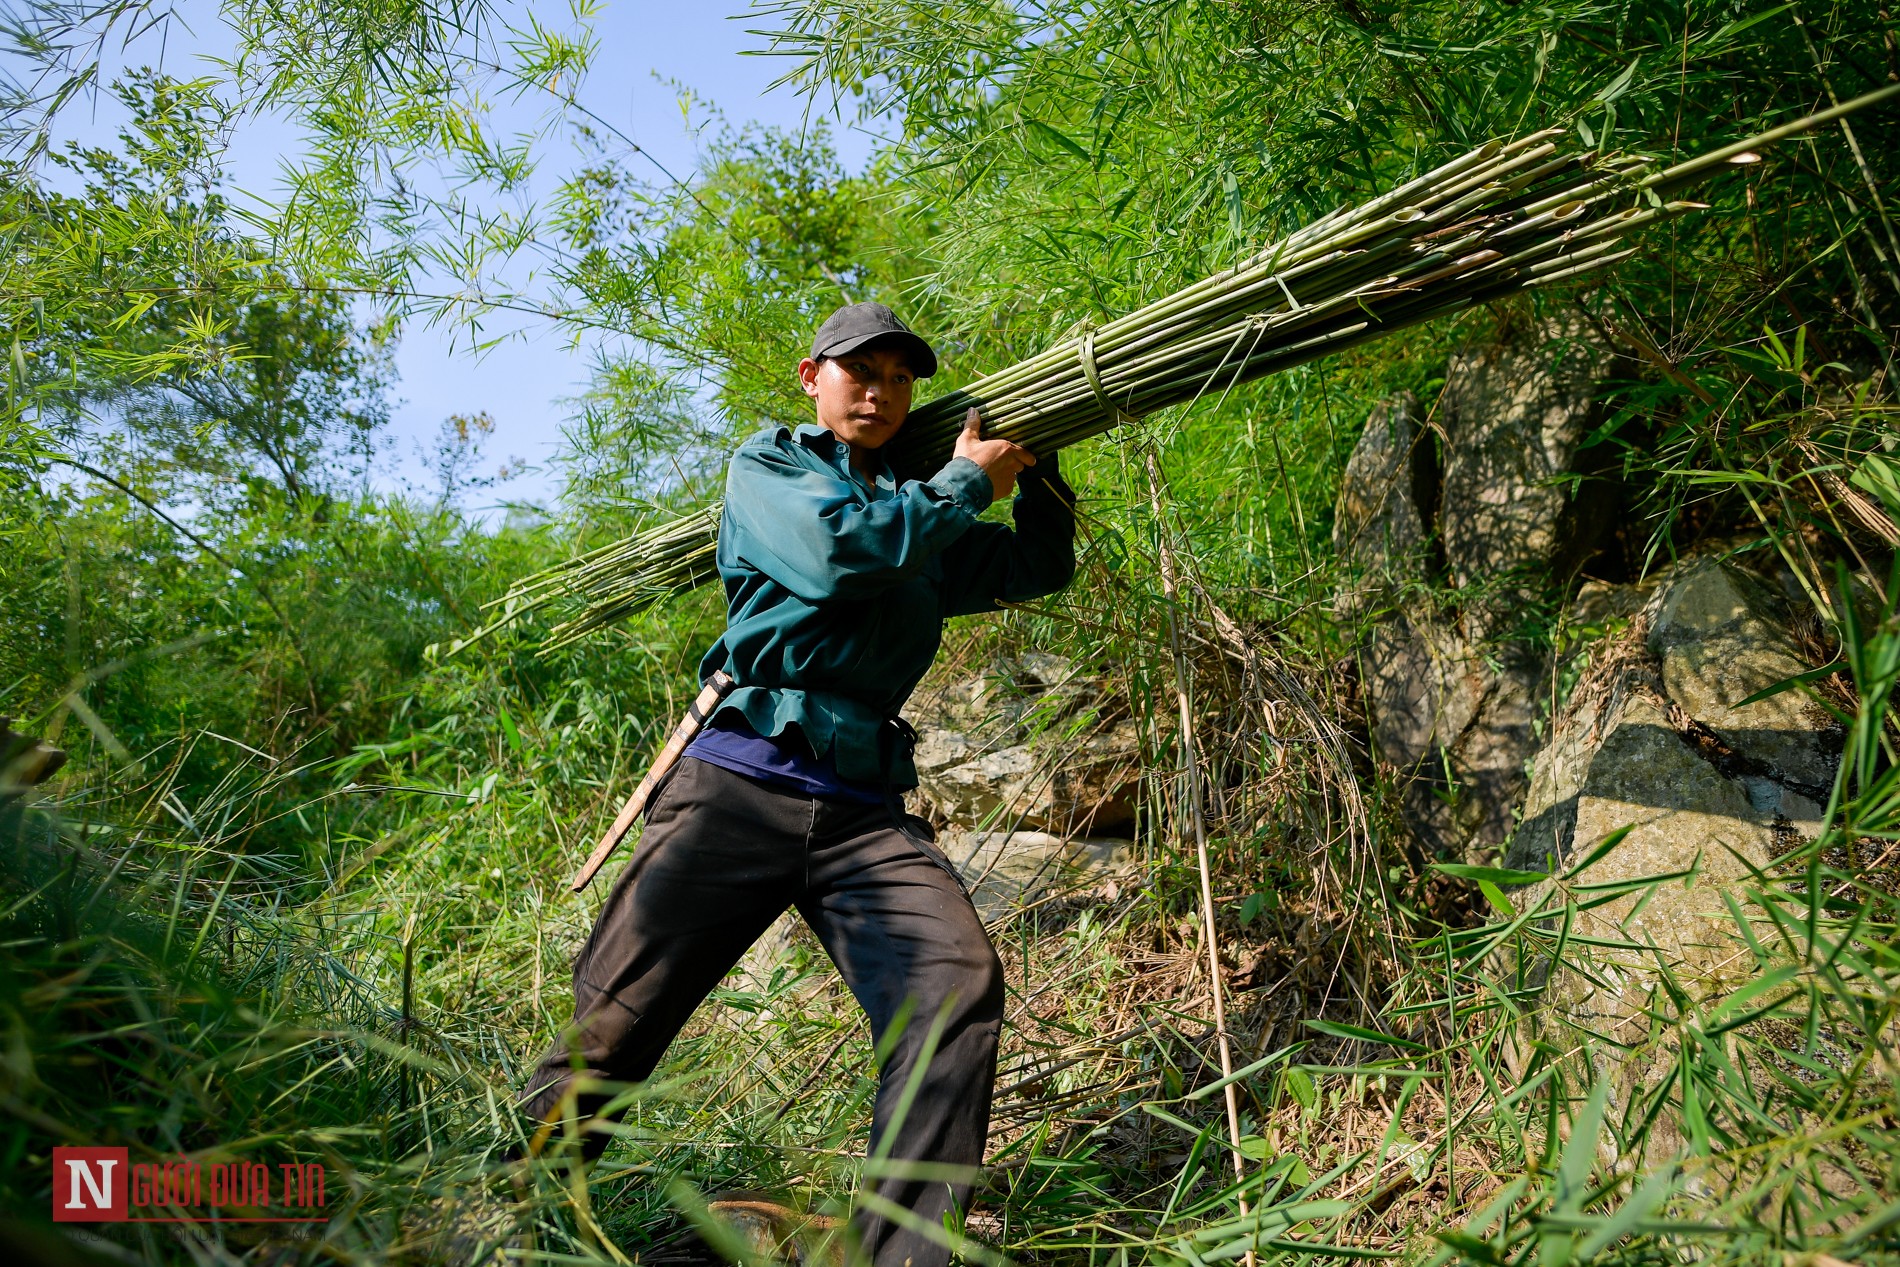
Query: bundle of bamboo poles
<point x="1501" y="219"/>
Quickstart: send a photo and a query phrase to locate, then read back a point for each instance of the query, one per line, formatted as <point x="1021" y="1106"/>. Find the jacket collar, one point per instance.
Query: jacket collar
<point x="836" y="453"/>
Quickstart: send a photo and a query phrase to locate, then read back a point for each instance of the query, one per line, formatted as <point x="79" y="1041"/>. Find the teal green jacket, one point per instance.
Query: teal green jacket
<point x="837" y="588"/>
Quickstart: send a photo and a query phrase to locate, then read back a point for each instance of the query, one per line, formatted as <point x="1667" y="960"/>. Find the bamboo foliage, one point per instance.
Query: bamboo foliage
<point x="1504" y="218"/>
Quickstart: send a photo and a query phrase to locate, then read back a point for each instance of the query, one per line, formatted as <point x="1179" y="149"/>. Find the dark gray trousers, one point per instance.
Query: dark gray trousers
<point x="722" y="856"/>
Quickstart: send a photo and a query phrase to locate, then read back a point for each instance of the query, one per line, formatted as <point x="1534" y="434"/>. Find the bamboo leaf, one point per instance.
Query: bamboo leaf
<point x="1036" y="127"/>
<point x="1338" y="1029"/>
<point x="1599" y="851"/>
<point x="1580" y="1152"/>
<point x="1495" y="875"/>
<point x="1792" y="683"/>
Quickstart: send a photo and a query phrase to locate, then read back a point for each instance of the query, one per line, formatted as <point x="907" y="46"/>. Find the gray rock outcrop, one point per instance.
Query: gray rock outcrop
<point x="1456" y="526"/>
<point x="1452" y="698"/>
<point x="1033" y="745"/>
<point x="1723" y="636"/>
<point x="1513" y="414"/>
<point x="1657" y="736"/>
<point x="1007" y="871"/>
<point x="1383" y="517"/>
<point x="1029" y="769"/>
<point x="1626" y="741"/>
<point x="1656" y="742"/>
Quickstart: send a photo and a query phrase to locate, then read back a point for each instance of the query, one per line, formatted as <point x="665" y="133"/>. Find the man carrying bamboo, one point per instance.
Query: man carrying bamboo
<point x="838" y="577"/>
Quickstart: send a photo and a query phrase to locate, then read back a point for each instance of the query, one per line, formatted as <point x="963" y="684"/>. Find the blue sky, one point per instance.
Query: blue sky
<point x="648" y="53"/>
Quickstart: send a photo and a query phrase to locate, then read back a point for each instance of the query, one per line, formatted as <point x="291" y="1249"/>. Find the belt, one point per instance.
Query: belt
<point x="892" y="734"/>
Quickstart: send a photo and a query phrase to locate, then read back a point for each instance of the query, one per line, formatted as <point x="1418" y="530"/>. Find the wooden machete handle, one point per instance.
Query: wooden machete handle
<point x="702" y="707"/>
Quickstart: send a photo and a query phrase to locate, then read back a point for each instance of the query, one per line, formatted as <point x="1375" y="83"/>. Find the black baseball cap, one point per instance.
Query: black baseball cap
<point x="855" y="325"/>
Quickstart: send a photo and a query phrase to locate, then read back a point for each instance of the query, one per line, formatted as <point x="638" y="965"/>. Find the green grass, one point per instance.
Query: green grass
<point x="166" y="988"/>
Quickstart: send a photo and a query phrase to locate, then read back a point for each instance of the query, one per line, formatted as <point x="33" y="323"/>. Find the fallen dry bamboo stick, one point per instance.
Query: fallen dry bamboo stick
<point x="1191" y="770"/>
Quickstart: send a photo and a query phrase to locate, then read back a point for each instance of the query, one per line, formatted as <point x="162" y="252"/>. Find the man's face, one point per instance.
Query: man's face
<point x="863" y="396"/>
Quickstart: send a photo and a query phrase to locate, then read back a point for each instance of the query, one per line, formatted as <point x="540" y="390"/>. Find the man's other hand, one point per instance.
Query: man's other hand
<point x="1000" y="460"/>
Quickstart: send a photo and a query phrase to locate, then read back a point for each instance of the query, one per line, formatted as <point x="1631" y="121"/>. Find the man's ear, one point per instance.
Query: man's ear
<point x="808" y="377"/>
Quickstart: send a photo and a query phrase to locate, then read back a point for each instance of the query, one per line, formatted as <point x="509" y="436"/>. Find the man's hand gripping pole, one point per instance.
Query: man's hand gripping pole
<point x="709" y="696"/>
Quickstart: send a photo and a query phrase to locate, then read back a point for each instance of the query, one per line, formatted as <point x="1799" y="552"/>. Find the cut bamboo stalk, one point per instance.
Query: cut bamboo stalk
<point x="1501" y="219"/>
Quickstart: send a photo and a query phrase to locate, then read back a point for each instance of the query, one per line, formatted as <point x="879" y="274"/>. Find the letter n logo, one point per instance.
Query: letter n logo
<point x="89" y="1185"/>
